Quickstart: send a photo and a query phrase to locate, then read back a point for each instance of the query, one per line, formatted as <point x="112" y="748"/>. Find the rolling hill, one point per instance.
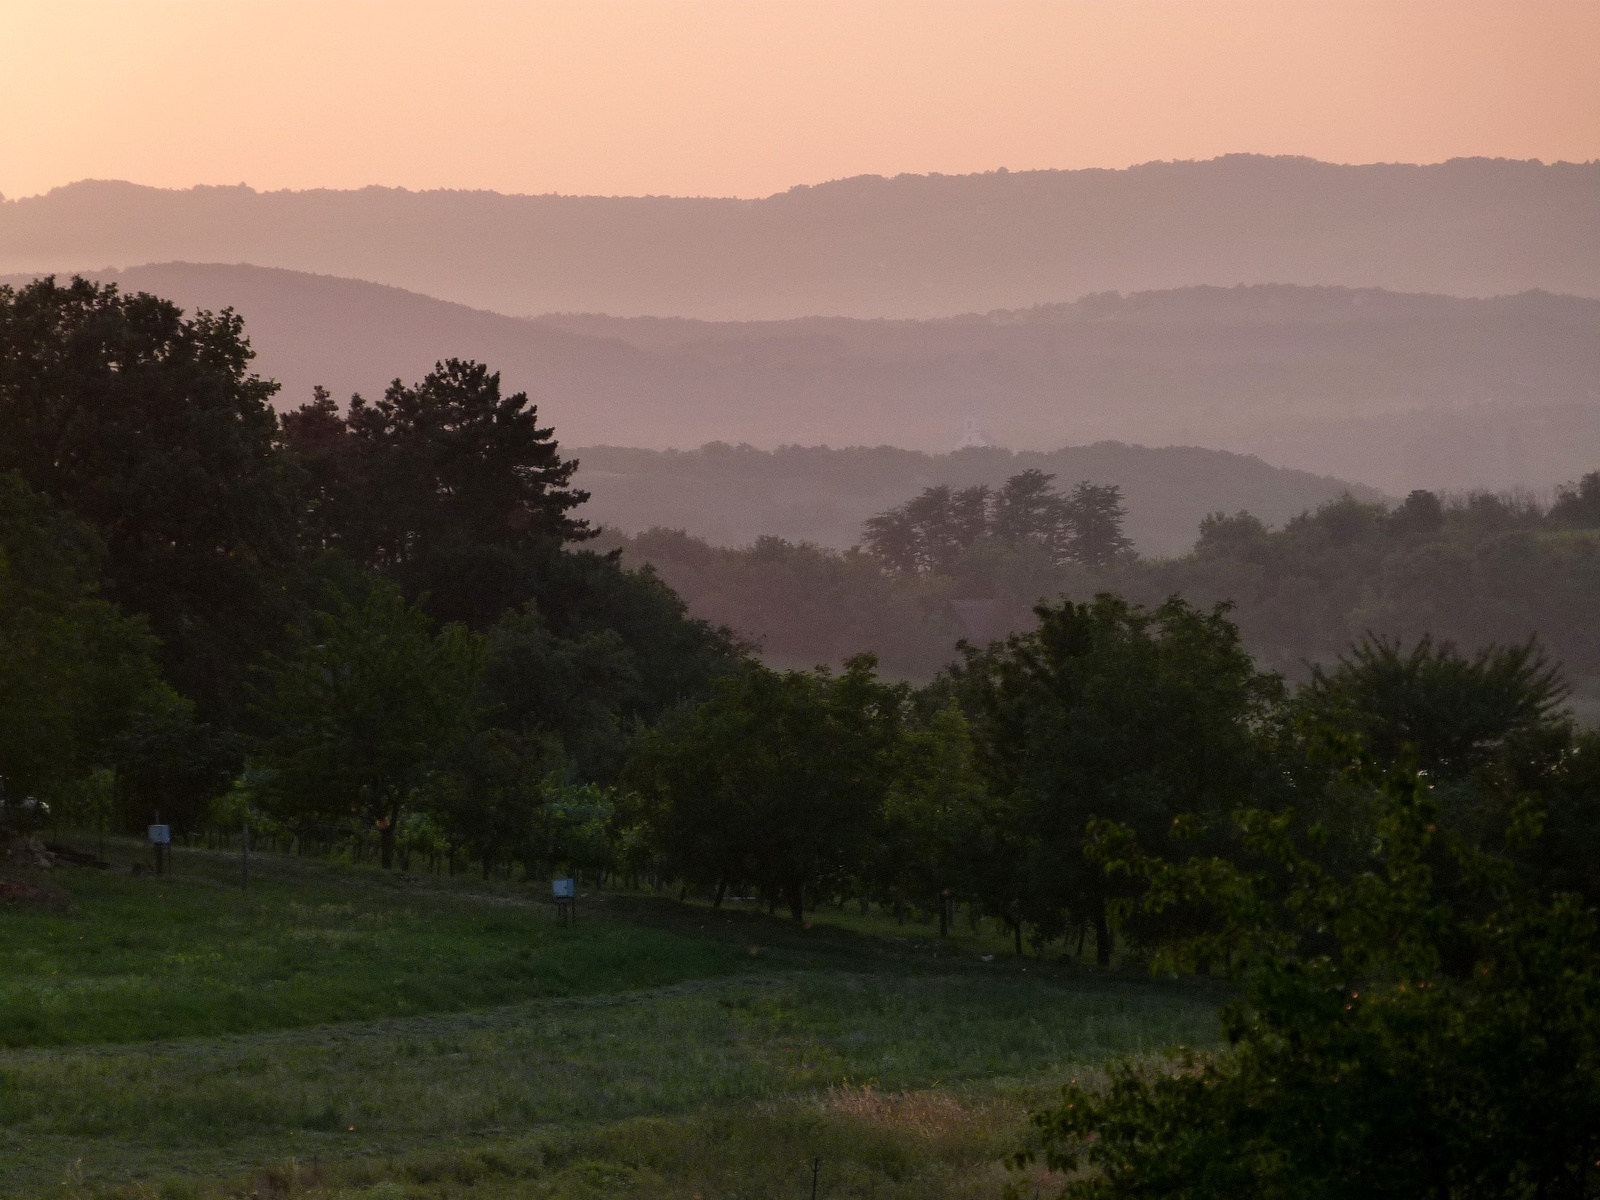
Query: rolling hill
<point x="911" y="246"/>
<point x="1395" y="390"/>
<point x="730" y="495"/>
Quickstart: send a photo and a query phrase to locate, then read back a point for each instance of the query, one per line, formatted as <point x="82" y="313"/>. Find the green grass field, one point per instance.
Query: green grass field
<point x="336" y="1032"/>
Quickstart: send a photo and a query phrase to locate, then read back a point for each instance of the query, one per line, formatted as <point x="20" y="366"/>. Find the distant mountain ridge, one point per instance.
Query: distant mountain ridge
<point x="910" y="246"/>
<point x="1395" y="390"/>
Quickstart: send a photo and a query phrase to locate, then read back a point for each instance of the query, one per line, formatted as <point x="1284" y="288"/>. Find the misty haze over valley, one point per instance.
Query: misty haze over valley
<point x="743" y="599"/>
<point x="1395" y="326"/>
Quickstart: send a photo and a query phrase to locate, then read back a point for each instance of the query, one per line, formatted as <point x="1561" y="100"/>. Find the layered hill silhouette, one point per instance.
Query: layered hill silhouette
<point x="732" y="495"/>
<point x="1393" y="390"/>
<point x="910" y="246"/>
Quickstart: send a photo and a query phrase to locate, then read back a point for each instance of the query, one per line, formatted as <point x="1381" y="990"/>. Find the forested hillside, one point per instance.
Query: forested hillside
<point x="1477" y="570"/>
<point x="914" y="245"/>
<point x="731" y="495"/>
<point x="1394" y="390"/>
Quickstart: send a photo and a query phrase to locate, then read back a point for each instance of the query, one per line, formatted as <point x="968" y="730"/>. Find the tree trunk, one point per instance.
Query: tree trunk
<point x="797" y="907"/>
<point x="1016" y="933"/>
<point x="1103" y="937"/>
<point x="722" y="890"/>
<point x="386" y="836"/>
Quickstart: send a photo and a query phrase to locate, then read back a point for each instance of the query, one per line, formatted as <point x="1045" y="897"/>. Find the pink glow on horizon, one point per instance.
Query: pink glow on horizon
<point x="715" y="97"/>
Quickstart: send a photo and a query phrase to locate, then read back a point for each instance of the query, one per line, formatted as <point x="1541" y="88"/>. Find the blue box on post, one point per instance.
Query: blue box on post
<point x="566" y="893"/>
<point x="160" y="835"/>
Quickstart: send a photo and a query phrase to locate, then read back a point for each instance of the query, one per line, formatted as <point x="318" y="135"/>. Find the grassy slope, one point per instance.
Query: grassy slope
<point x="337" y="1035"/>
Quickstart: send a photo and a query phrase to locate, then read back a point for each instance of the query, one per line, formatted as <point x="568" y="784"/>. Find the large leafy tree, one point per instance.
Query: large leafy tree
<point x="150" y="426"/>
<point x="1027" y="508"/>
<point x="450" y="487"/>
<point x="1094" y="516"/>
<point x="75" y="673"/>
<point x="932" y="843"/>
<point x="929" y="532"/>
<point x="1111" y="710"/>
<point x="1392" y="1040"/>
<point x="777" y="780"/>
<point x="1453" y="712"/>
<point x="368" y="712"/>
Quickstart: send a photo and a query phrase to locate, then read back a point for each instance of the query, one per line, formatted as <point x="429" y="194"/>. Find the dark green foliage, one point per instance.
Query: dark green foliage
<point x="582" y="691"/>
<point x="937" y="818"/>
<point x="171" y="766"/>
<point x="149" y="426"/>
<point x="76" y="674"/>
<point x="448" y="487"/>
<point x="776" y="781"/>
<point x="1420" y="513"/>
<point x="1577" y="505"/>
<point x="1393" y="1041"/>
<point x="1109" y="709"/>
<point x="1475" y="571"/>
<point x="1453" y="714"/>
<point x="366" y="711"/>
<point x="605" y="652"/>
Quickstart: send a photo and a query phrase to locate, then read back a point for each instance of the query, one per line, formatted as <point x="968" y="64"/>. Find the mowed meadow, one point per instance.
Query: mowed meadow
<point x="335" y="1030"/>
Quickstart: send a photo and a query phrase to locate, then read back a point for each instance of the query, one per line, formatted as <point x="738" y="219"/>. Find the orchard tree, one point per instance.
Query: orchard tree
<point x="1109" y="710"/>
<point x="368" y="712"/>
<point x="777" y="780"/>
<point x="936" y="818"/>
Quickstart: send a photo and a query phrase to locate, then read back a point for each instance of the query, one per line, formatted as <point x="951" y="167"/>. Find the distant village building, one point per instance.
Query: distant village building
<point x="972" y="435"/>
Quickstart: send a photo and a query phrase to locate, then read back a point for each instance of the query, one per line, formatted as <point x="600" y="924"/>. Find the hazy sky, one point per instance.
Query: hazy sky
<point x="746" y="97"/>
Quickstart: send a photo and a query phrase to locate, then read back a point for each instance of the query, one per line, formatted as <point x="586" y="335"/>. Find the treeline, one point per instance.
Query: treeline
<point x="1475" y="569"/>
<point x="376" y="628"/>
<point x="930" y="533"/>
<point x="344" y="618"/>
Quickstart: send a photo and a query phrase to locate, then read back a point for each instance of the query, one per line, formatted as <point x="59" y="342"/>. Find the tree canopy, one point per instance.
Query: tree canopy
<point x="149" y="426"/>
<point x="448" y="486"/>
<point x="75" y="673"/>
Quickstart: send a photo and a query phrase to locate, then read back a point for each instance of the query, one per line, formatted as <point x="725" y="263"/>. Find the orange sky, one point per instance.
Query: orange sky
<point x="746" y="97"/>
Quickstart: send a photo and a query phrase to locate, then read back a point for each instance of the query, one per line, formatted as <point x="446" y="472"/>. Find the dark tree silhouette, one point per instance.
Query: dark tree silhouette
<point x="150" y="426"/>
<point x="447" y="486"/>
<point x="1094" y="515"/>
<point x="1028" y="509"/>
